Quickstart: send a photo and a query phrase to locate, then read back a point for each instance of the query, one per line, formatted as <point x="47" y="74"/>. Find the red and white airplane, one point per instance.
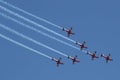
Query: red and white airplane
<point x="93" y="55"/>
<point x="58" y="61"/>
<point x="74" y="59"/>
<point x="82" y="45"/>
<point x="69" y="31"/>
<point x="107" y="58"/>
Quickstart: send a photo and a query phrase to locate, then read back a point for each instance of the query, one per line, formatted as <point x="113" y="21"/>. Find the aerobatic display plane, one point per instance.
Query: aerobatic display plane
<point x="107" y="58"/>
<point x="93" y="55"/>
<point x="74" y="59"/>
<point x="82" y="45"/>
<point x="69" y="31"/>
<point x="58" y="61"/>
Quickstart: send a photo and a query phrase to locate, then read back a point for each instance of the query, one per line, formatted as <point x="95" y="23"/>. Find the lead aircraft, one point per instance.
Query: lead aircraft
<point x="107" y="58"/>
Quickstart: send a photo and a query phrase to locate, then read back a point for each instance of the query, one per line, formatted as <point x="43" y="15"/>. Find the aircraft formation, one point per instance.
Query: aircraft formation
<point x="82" y="46"/>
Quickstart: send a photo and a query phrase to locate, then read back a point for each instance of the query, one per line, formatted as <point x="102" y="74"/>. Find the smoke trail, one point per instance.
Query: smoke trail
<point x="30" y="39"/>
<point x="38" y="25"/>
<point x="39" y="31"/>
<point x="22" y="45"/>
<point x="34" y="16"/>
<point x="84" y="51"/>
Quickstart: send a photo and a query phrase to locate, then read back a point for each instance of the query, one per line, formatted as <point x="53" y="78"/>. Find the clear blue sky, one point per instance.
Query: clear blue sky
<point x="96" y="22"/>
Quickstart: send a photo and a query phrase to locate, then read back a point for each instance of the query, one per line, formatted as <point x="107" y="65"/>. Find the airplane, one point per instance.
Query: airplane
<point x="107" y="58"/>
<point x="82" y="45"/>
<point x="69" y="31"/>
<point x="58" y="61"/>
<point x="74" y="59"/>
<point x="93" y="55"/>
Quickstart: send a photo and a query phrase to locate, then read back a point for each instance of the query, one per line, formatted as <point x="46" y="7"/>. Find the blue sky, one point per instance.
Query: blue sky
<point x="96" y="22"/>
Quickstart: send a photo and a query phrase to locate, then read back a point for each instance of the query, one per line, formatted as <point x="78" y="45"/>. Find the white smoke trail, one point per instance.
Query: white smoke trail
<point x="24" y="46"/>
<point x="39" y="31"/>
<point x="34" y="16"/>
<point x="84" y="51"/>
<point x="36" y="24"/>
<point x="30" y="39"/>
